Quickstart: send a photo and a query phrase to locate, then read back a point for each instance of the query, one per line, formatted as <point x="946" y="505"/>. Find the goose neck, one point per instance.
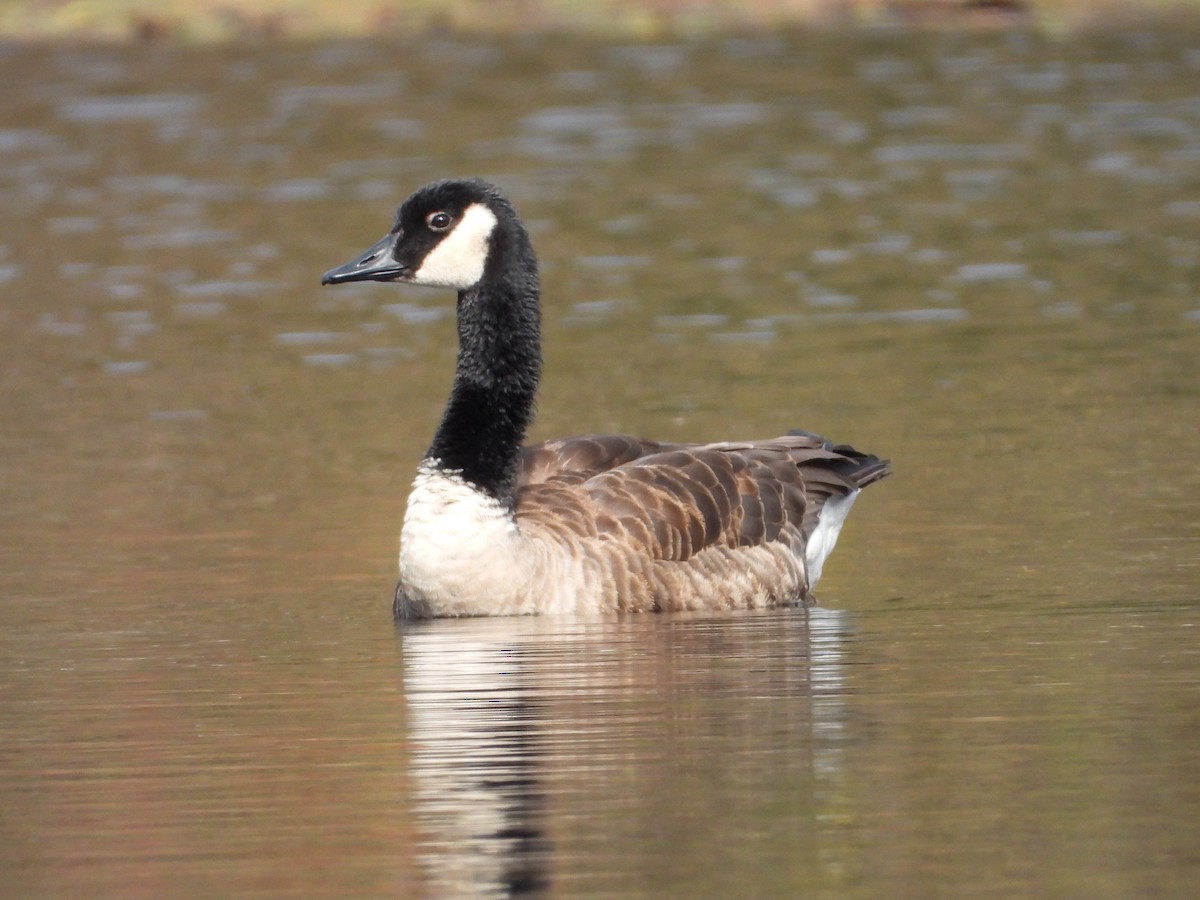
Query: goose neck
<point x="495" y="383"/>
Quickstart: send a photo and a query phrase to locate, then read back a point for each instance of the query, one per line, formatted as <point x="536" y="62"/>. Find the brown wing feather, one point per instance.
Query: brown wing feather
<point x="692" y="499"/>
<point x="577" y="459"/>
<point x="674" y="500"/>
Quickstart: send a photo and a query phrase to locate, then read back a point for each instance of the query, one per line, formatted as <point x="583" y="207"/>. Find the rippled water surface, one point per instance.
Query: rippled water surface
<point x="977" y="255"/>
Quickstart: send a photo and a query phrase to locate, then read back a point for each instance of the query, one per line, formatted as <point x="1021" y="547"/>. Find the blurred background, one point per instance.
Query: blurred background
<point x="963" y="235"/>
<point x="212" y="19"/>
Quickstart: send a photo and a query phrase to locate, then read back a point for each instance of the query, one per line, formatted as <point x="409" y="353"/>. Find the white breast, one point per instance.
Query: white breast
<point x="460" y="550"/>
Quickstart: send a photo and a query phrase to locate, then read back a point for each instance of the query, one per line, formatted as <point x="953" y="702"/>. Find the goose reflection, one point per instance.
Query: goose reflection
<point x="474" y="731"/>
<point x="547" y="751"/>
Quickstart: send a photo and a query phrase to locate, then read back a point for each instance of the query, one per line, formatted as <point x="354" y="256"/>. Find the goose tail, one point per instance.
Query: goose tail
<point x="861" y="469"/>
<point x="855" y="470"/>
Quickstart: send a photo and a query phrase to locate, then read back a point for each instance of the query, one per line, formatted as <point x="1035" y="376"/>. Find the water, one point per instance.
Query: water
<point x="976" y="255"/>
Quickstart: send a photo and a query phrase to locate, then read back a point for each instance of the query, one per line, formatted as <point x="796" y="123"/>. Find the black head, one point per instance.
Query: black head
<point x="442" y="237"/>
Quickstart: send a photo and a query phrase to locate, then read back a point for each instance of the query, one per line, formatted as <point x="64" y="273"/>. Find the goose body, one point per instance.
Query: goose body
<point x="595" y="523"/>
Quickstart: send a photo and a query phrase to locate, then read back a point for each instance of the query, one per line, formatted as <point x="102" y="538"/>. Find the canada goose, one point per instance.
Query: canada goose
<point x="596" y="523"/>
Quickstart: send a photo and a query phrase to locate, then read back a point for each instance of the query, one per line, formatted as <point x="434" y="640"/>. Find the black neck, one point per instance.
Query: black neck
<point x="499" y="365"/>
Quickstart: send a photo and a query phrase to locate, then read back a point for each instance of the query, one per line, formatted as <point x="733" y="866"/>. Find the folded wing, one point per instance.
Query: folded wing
<point x="675" y="500"/>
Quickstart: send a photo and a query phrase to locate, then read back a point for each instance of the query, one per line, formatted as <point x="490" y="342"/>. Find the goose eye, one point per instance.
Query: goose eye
<point x="438" y="221"/>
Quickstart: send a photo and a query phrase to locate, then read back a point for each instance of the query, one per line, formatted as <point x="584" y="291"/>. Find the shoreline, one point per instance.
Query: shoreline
<point x="212" y="21"/>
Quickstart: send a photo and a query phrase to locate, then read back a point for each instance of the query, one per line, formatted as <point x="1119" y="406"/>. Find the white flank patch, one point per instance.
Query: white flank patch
<point x="457" y="262"/>
<point x="460" y="550"/>
<point x="824" y="537"/>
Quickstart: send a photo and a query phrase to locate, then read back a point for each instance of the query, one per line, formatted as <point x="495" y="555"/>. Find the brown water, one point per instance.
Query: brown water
<point x="976" y="255"/>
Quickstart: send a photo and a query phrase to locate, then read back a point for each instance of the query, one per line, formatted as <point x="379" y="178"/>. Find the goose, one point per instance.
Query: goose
<point x="596" y="523"/>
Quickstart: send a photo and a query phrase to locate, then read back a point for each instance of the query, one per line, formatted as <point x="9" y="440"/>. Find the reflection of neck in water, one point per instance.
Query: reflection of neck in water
<point x="474" y="732"/>
<point x="530" y="736"/>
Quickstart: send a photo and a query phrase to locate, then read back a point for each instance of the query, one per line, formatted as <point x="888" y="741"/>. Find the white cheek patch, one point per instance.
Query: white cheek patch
<point x="458" y="261"/>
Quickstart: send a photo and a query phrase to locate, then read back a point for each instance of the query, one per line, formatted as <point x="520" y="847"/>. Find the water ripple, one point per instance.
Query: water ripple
<point x="131" y="108"/>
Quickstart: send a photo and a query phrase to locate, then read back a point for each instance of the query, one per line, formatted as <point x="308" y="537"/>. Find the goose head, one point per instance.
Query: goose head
<point x="443" y="236"/>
